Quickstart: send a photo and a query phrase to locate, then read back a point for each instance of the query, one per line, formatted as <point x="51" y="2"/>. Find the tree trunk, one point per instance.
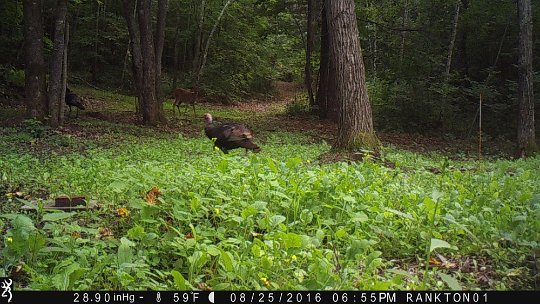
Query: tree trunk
<point x="309" y="48"/>
<point x="160" y="39"/>
<point x="324" y="69"/>
<point x="57" y="59"/>
<point x="205" y="54"/>
<point x="61" y="116"/>
<point x="452" y="40"/>
<point x="130" y="11"/>
<point x="198" y="42"/>
<point x="355" y="124"/>
<point x="96" y="43"/>
<point x="149" y="101"/>
<point x="176" y="49"/>
<point x="35" y="89"/>
<point x="526" y="132"/>
<point x="404" y="21"/>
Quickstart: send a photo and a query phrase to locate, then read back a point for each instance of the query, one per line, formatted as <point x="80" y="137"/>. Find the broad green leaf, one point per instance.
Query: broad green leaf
<point x="292" y="162"/>
<point x="293" y="240"/>
<point x="256" y="250"/>
<point x="119" y="186"/>
<point x="226" y="260"/>
<point x="136" y="232"/>
<point x="306" y="216"/>
<point x="56" y="216"/>
<point x="397" y="212"/>
<point x="125" y="254"/>
<point x="450" y="281"/>
<point x="437" y="243"/>
<point x="249" y="211"/>
<point x="213" y="250"/>
<point x="179" y="280"/>
<point x="276" y="220"/>
<point x="359" y="217"/>
<point x="341" y="233"/>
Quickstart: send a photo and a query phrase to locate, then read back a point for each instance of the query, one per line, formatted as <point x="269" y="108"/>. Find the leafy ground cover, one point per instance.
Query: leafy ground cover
<point x="176" y="214"/>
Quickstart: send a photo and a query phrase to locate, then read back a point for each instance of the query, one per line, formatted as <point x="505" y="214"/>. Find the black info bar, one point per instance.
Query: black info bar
<point x="277" y="297"/>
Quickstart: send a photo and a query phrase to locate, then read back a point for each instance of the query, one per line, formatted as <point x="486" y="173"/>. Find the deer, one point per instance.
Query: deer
<point x="185" y="96"/>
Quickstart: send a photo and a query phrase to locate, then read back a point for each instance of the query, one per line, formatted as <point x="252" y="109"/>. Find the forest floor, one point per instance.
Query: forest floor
<point x="266" y="115"/>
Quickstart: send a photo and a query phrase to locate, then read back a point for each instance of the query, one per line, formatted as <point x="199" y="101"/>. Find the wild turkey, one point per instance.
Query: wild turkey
<point x="229" y="135"/>
<point x="73" y="100"/>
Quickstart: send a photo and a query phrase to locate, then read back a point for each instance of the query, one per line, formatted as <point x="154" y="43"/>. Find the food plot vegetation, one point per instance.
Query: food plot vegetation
<point x="174" y="213"/>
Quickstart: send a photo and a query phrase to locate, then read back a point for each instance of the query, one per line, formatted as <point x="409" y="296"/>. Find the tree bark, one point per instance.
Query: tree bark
<point x="526" y="132"/>
<point x="159" y="41"/>
<point x="130" y="12"/>
<point x="96" y="43"/>
<point x="57" y="59"/>
<point x="61" y="115"/>
<point x="355" y="123"/>
<point x="309" y="48"/>
<point x="205" y="53"/>
<point x="404" y="21"/>
<point x="35" y="88"/>
<point x="198" y="42"/>
<point x="149" y="101"/>
<point x="324" y="69"/>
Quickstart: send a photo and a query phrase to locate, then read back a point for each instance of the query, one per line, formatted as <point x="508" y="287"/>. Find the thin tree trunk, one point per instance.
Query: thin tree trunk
<point x="198" y="42"/>
<point x="159" y="41"/>
<point x="96" y="44"/>
<point x="130" y="12"/>
<point x="61" y="116"/>
<point x="149" y="101"/>
<point x="57" y="58"/>
<point x="176" y="49"/>
<point x="526" y="133"/>
<point x="404" y="22"/>
<point x="309" y="49"/>
<point x="205" y="53"/>
<point x="124" y="68"/>
<point x="34" y="80"/>
<point x="452" y="40"/>
<point x="355" y="124"/>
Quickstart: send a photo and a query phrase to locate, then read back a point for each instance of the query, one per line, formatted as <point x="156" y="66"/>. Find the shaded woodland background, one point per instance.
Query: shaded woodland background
<point x="405" y="43"/>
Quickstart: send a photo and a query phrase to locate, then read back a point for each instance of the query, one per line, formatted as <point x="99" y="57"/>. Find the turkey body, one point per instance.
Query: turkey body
<point x="72" y="100"/>
<point x="229" y="135"/>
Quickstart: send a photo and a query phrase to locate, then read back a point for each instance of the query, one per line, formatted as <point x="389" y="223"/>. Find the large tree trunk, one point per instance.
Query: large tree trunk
<point x="355" y="124"/>
<point x="160" y="39"/>
<point x="149" y="100"/>
<point x="35" y="89"/>
<point x="309" y="48"/>
<point x="57" y="59"/>
<point x="130" y="12"/>
<point x="526" y="133"/>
